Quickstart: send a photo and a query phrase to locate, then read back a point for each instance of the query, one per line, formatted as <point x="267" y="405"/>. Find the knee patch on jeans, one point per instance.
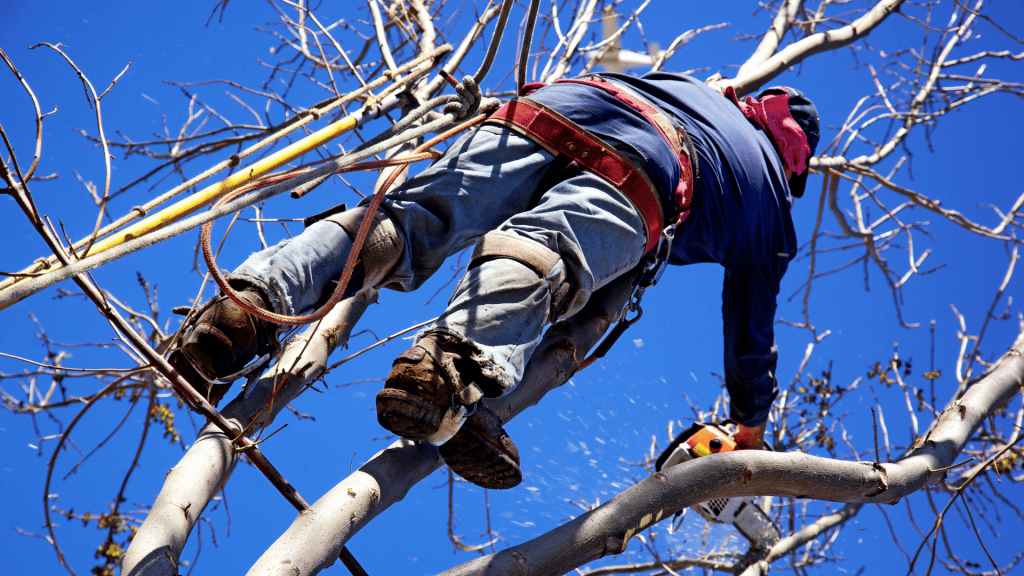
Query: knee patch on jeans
<point x="535" y="256"/>
<point x="383" y="245"/>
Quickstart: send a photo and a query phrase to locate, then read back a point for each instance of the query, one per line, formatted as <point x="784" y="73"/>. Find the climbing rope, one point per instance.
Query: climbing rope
<point x="524" y="51"/>
<point x="166" y="224"/>
<point x="492" y="49"/>
<point x="398" y="165"/>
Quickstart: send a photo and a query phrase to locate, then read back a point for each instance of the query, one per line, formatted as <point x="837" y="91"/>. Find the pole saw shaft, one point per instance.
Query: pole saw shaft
<point x="33" y="278"/>
<point x="206" y="196"/>
<point x="153" y="228"/>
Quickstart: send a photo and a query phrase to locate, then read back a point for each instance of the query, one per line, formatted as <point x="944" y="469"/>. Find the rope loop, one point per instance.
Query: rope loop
<point x="463" y="108"/>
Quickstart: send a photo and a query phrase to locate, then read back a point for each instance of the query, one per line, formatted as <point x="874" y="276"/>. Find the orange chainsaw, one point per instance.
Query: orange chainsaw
<point x="742" y="512"/>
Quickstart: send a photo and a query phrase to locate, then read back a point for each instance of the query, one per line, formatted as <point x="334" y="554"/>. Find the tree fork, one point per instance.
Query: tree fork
<point x="160" y="364"/>
<point x="206" y="467"/>
<point x="311" y="543"/>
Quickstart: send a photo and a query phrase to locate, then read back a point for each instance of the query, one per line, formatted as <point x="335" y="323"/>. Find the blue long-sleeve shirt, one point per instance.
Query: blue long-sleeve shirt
<point x="739" y="216"/>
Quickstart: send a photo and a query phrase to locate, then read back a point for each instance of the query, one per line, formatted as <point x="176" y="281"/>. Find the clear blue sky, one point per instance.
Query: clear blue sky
<point x="574" y="443"/>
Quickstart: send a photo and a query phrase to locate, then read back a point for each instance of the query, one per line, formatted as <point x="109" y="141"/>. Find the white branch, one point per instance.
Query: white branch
<point x="813" y="44"/>
<point x="314" y="540"/>
<point x="192" y="483"/>
<point x="608" y="528"/>
<point x="773" y="37"/>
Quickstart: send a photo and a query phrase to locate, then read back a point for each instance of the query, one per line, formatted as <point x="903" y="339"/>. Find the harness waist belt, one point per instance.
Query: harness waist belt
<point x="558" y="134"/>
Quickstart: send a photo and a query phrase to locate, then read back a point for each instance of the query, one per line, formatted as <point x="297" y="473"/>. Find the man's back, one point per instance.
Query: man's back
<point x="740" y="211"/>
<point x="739" y="216"/>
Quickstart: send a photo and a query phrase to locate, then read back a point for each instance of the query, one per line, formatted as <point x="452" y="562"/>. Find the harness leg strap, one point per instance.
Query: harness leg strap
<point x="535" y="256"/>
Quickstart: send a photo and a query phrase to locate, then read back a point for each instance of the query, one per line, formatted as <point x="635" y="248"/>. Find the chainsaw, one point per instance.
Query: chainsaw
<point x="742" y="512"/>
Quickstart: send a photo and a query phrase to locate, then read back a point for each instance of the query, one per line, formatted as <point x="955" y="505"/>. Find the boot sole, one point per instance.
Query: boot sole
<point x="212" y="392"/>
<point x="482" y="460"/>
<point x="407" y="414"/>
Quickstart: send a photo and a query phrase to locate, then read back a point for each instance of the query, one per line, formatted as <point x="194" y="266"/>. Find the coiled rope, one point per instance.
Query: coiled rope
<point x="422" y="152"/>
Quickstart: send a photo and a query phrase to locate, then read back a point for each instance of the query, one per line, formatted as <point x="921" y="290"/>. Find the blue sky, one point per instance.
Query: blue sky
<point x="574" y="444"/>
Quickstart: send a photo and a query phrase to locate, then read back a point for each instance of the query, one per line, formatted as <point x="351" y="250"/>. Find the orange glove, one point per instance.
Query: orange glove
<point x="750" y="438"/>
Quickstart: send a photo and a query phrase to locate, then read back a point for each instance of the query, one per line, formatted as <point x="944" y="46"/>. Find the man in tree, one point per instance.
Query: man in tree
<point x="561" y="191"/>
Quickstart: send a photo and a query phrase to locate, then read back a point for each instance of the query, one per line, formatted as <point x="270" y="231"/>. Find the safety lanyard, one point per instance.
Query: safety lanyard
<point x="651" y="268"/>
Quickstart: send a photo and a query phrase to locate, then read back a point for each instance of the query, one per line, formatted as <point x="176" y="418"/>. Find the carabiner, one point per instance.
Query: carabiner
<point x="653" y="273"/>
<point x="617" y="331"/>
<point x="634" y="306"/>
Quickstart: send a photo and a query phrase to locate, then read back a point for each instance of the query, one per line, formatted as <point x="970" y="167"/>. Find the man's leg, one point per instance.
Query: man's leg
<point x="290" y="278"/>
<point x="593" y="234"/>
<point x="539" y="266"/>
<point x="298" y="274"/>
<point x="423" y="222"/>
<point x="485" y="177"/>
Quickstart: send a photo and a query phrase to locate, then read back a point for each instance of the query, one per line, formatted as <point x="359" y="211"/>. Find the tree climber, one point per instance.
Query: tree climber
<point x="561" y="191"/>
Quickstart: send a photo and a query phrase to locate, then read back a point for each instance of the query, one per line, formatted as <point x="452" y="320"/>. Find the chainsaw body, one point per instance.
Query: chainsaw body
<point x="742" y="512"/>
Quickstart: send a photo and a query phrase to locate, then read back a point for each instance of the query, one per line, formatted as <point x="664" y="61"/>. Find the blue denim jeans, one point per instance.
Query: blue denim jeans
<point x="485" y="181"/>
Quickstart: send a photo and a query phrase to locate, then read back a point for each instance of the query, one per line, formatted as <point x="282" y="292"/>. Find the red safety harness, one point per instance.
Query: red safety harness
<point x="558" y="134"/>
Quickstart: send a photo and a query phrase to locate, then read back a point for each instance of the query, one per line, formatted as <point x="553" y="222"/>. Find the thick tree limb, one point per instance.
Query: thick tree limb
<point x="314" y="539"/>
<point x="811" y="45"/>
<point x="788" y="12"/>
<point x="202" y="472"/>
<point x="608" y="528"/>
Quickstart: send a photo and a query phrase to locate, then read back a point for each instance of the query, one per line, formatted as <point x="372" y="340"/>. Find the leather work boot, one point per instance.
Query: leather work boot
<point x="419" y="391"/>
<point x="482" y="452"/>
<point x="220" y="340"/>
<point x="425" y="398"/>
<point x="209" y="390"/>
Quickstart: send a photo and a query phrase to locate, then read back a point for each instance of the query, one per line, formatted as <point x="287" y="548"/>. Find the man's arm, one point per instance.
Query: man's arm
<point x="748" y="314"/>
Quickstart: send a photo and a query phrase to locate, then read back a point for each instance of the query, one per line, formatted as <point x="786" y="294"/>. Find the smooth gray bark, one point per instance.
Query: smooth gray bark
<point x="200" y="474"/>
<point x="315" y="538"/>
<point x="608" y="528"/>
